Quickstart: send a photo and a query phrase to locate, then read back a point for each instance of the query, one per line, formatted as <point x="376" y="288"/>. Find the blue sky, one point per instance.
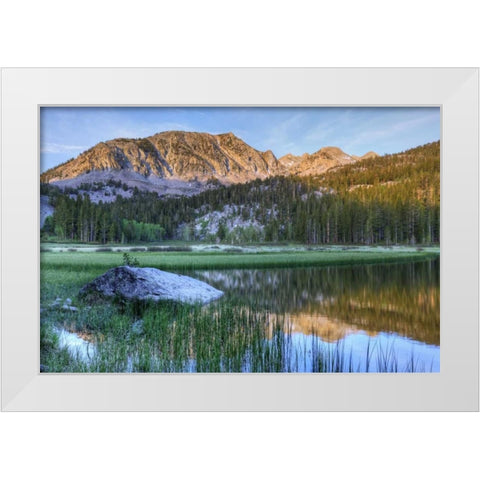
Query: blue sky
<point x="65" y="132"/>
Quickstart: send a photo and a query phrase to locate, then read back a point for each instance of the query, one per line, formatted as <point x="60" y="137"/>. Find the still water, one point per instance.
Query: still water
<point x="371" y="318"/>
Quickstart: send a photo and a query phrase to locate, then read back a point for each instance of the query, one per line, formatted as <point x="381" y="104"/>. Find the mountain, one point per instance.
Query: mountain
<point x="320" y="161"/>
<point x="147" y="163"/>
<point x="173" y="155"/>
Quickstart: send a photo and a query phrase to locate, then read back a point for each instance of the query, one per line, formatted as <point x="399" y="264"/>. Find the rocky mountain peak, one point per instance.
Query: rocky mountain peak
<point x="369" y="155"/>
<point x="317" y="162"/>
<point x="194" y="156"/>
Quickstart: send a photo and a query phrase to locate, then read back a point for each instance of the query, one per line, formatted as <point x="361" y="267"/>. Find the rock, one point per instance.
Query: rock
<point x="70" y="308"/>
<point x="135" y="283"/>
<point x="46" y="210"/>
<point x="66" y="305"/>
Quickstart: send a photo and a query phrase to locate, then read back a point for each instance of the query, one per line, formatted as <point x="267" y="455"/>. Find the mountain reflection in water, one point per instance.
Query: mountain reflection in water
<point x="335" y="302"/>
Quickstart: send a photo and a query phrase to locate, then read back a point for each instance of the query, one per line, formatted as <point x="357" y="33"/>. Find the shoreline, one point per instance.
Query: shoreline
<point x="226" y="260"/>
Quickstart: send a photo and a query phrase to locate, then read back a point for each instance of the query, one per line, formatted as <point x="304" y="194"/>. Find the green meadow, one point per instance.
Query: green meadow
<point x="79" y="261"/>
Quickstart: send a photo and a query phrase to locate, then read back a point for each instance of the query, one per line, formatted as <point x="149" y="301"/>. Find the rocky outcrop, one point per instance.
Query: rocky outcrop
<point x="46" y="210"/>
<point x="316" y="163"/>
<point x="135" y="283"/>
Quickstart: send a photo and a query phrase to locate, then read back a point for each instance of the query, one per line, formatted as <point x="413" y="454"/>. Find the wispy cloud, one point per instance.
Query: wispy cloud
<point x="138" y="131"/>
<point x="379" y="133"/>
<point x="323" y="131"/>
<point x="279" y="136"/>
<point x="59" y="148"/>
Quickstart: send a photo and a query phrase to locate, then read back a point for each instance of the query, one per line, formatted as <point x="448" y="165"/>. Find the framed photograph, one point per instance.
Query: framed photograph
<point x="240" y="239"/>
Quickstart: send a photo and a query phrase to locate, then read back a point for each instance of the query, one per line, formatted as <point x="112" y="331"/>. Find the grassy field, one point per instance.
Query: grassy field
<point x="222" y="337"/>
<point x="80" y="261"/>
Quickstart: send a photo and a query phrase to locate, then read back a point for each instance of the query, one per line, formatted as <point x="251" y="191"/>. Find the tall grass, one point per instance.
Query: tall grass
<point x="228" y="337"/>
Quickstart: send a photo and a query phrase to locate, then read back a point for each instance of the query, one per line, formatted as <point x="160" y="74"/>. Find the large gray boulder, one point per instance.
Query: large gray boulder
<point x="135" y="283"/>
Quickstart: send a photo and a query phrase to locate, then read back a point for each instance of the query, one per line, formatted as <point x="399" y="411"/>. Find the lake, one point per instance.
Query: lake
<point x="364" y="318"/>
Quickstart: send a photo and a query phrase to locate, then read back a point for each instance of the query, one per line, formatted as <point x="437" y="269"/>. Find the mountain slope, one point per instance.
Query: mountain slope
<point x="177" y="155"/>
<point x="320" y="161"/>
<point x="186" y="157"/>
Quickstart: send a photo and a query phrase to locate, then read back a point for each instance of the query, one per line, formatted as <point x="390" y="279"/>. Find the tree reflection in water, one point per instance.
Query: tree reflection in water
<point x="332" y="302"/>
